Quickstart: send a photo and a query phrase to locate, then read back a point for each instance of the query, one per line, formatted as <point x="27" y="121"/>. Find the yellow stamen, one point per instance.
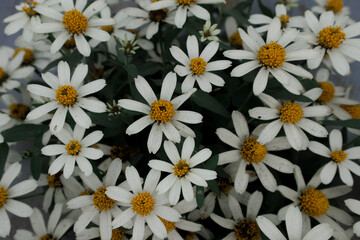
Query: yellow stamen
<point x="28" y="57"/>
<point x="252" y="151"/>
<point x="291" y="113"/>
<point x="284" y="19"/>
<point x="3" y="76"/>
<point x="190" y="236"/>
<point x="247" y="229"/>
<point x="75" y="22"/>
<point x="168" y="225"/>
<point x="181" y="169"/>
<point x="334" y="5"/>
<point x="143" y="204"/>
<point x="109" y="29"/>
<point x="66" y="95"/>
<point x="313" y="202"/>
<point x="338" y="156"/>
<point x="271" y="55"/>
<point x="18" y="111"/>
<point x="86" y="193"/>
<point x="224" y="185"/>
<point x="101" y="201"/>
<point x="235" y="40"/>
<point x="47" y="237"/>
<point x="331" y="37"/>
<point x="3" y="196"/>
<point x="54" y="180"/>
<point x="29" y="9"/>
<point x="186" y="2"/>
<point x="117" y="234"/>
<point x="328" y="92"/>
<point x="73" y="147"/>
<point x="162" y="111"/>
<point x="69" y="44"/>
<point x="353" y="110"/>
<point x="198" y="65"/>
<point x="122" y="152"/>
<point x="158" y="15"/>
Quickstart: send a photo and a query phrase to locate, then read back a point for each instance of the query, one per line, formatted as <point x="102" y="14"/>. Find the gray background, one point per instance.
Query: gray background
<point x="7" y="8"/>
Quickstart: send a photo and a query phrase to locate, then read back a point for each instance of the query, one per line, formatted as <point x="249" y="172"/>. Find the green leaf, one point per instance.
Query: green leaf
<point x="35" y="158"/>
<point x="24" y="132"/>
<point x="200" y="196"/>
<point x="214" y="187"/>
<point x="212" y="162"/>
<point x="265" y="9"/>
<point x="351" y="123"/>
<point x="283" y="94"/>
<point x="149" y="68"/>
<point x="52" y="64"/>
<point x="208" y="102"/>
<point x="132" y="70"/>
<point x="103" y="119"/>
<point x="4" y="151"/>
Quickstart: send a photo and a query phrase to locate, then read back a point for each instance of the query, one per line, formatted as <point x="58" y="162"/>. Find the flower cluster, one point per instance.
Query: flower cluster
<point x="144" y="123"/>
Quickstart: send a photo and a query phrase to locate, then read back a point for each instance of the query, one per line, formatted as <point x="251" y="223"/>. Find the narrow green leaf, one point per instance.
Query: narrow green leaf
<point x="208" y="102"/>
<point x="212" y="162"/>
<point x="283" y="94"/>
<point x="200" y="196"/>
<point x="4" y="151"/>
<point x="214" y="187"/>
<point x="265" y="9"/>
<point x="52" y="64"/>
<point x="24" y="132"/>
<point x="35" y="158"/>
<point x="351" y="123"/>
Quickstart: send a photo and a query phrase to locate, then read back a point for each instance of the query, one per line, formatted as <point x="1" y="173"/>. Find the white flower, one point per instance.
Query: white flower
<point x="182" y="7"/>
<point x="74" y="148"/>
<point x="182" y="170"/>
<point x="197" y="66"/>
<point x="336" y="6"/>
<point x="354" y="206"/>
<point x="314" y="203"/>
<point x="98" y="204"/>
<point x="338" y="157"/>
<point x="272" y="57"/>
<point x="13" y="107"/>
<point x="232" y="33"/>
<point x="209" y="32"/>
<point x="163" y="114"/>
<point x="294" y="228"/>
<point x="74" y="22"/>
<point x="243" y="227"/>
<point x="94" y="232"/>
<point x="55" y="192"/>
<point x="333" y="38"/>
<point x="293" y="116"/>
<point x="333" y="96"/>
<point x="142" y="204"/>
<point x="7" y="193"/>
<point x="55" y="229"/>
<point x="66" y="95"/>
<point x="248" y="150"/>
<point x="286" y="21"/>
<point x="11" y="69"/>
<point x="26" y="18"/>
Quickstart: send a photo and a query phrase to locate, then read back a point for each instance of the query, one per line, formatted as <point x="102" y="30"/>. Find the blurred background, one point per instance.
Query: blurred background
<point x="8" y="8"/>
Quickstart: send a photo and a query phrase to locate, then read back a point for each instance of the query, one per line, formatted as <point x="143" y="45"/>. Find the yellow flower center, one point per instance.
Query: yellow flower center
<point x="328" y="92"/>
<point x="181" y="169"/>
<point x="69" y="44"/>
<point x="47" y="237"/>
<point x="122" y="152"/>
<point x="3" y="196"/>
<point x="198" y="65"/>
<point x="29" y="9"/>
<point x="186" y="2"/>
<point x="143" y="204"/>
<point x="3" y="76"/>
<point x="331" y="37"/>
<point x="18" y="111"/>
<point x="252" y="151"/>
<point x="338" y="156"/>
<point x="162" y="111"/>
<point x="168" y="225"/>
<point x="101" y="201"/>
<point x="75" y="22"/>
<point x="291" y="113"/>
<point x="109" y="29"/>
<point x="86" y="193"/>
<point x="66" y="95"/>
<point x="117" y="234"/>
<point x="73" y="147"/>
<point x="224" y="185"/>
<point x="28" y="57"/>
<point x="190" y="236"/>
<point x="313" y="202"/>
<point x="247" y="229"/>
<point x="334" y="5"/>
<point x="235" y="40"/>
<point x="158" y="15"/>
<point x="284" y="20"/>
<point x="271" y="55"/>
<point x="54" y="180"/>
<point x="353" y="110"/>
